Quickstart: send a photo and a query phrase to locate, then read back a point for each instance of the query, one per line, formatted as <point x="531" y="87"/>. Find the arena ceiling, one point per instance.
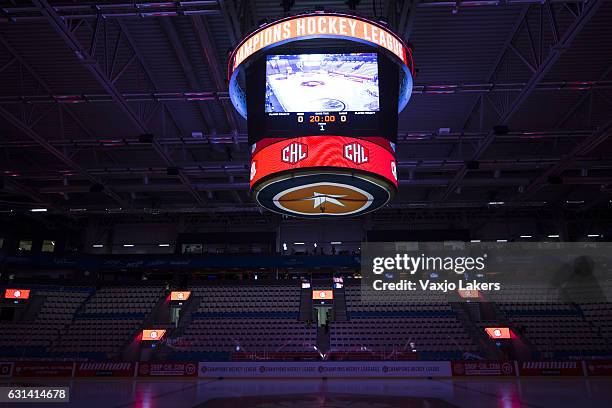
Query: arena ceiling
<point x="512" y="105"/>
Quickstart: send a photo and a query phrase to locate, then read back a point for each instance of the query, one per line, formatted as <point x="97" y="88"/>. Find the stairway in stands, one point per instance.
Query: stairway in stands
<point x="305" y="314"/>
<point x="340" y="314"/>
<point x="468" y="314"/>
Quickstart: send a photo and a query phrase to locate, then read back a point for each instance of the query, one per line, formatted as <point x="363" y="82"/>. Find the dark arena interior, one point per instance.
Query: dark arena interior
<point x="300" y="204"/>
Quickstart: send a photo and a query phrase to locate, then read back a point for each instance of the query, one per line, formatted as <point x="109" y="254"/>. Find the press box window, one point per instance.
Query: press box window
<point x="192" y="248"/>
<point x="25" y="245"/>
<point x="48" y="246"/>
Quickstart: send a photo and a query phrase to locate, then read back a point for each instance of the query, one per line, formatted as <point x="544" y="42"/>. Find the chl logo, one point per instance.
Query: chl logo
<point x="356" y="153"/>
<point x="294" y="152"/>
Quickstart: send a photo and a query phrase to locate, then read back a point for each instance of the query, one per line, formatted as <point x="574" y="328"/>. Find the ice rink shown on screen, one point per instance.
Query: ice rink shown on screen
<point x="322" y="82"/>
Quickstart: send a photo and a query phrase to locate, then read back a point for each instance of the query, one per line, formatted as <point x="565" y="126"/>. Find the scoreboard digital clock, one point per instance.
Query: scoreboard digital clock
<point x="322" y="120"/>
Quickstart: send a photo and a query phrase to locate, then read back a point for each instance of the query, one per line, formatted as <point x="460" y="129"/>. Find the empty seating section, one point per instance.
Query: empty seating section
<point x="255" y="318"/>
<point x="87" y="337"/>
<point x="560" y="333"/>
<point x="249" y="335"/>
<point x="387" y="334"/>
<point x="362" y="303"/>
<point x="108" y="321"/>
<point x="555" y="328"/>
<point x="386" y="324"/>
<point x="275" y="299"/>
<point x="600" y="316"/>
<point x="55" y="314"/>
<point x="136" y="300"/>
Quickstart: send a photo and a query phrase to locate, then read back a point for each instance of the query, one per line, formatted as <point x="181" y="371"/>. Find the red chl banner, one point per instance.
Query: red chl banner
<point x="483" y="368"/>
<point x="323" y="151"/>
<point x="498" y="332"/>
<point x="554" y="368"/>
<point x="108" y="369"/>
<point x="186" y="369"/>
<point x="42" y="369"/>
<point x="598" y="367"/>
<point x="17" y="294"/>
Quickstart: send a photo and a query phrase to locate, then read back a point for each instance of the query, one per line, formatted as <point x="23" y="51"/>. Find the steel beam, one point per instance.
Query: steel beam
<point x="25" y="129"/>
<point x="18" y="188"/>
<point x="500" y="57"/>
<point x="586" y="146"/>
<point x="168" y="26"/>
<point x="407" y="16"/>
<point x="554" y="54"/>
<point x="403" y="137"/>
<point x="98" y="72"/>
<point x="120" y="9"/>
<point x="241" y="167"/>
<point x="210" y="54"/>
<point x="197" y="96"/>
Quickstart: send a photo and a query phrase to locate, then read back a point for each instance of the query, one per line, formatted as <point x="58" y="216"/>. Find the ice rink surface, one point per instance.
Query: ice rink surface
<point x="295" y="96"/>
<point x="409" y="393"/>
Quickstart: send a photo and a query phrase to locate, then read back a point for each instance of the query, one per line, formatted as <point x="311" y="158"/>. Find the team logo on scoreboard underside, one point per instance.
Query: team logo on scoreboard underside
<point x="294" y="152"/>
<point x="323" y="199"/>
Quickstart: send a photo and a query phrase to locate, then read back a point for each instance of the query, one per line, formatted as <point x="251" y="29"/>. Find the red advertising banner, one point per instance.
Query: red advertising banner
<point x="42" y="369"/>
<point x="483" y="368"/>
<point x="554" y="368"/>
<point x="186" y="369"/>
<point x="107" y="369"/>
<point x="598" y="367"/>
<point x="6" y="369"/>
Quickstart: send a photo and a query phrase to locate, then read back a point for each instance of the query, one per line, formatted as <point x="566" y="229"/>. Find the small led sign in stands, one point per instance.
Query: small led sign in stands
<point x="17" y="294"/>
<point x="153" y="334"/>
<point x="496" y="333"/>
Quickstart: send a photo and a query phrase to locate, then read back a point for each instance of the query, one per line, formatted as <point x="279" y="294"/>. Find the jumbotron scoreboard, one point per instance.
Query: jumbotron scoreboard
<point x="321" y="94"/>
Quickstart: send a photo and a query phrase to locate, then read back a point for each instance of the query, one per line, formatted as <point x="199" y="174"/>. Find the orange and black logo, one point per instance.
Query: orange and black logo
<point x="328" y="195"/>
<point x="323" y="198"/>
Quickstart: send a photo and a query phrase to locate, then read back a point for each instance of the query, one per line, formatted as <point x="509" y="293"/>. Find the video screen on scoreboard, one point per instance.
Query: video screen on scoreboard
<point x="329" y="91"/>
<point x="322" y="83"/>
